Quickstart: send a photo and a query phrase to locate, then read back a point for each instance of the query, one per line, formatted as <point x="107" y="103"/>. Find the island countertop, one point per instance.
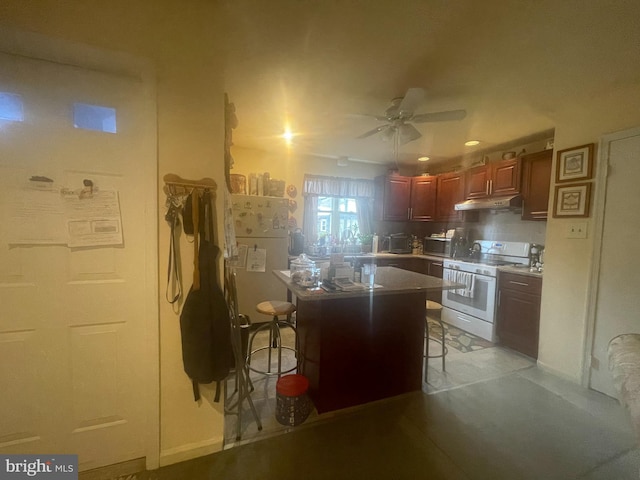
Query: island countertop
<point x="388" y="281"/>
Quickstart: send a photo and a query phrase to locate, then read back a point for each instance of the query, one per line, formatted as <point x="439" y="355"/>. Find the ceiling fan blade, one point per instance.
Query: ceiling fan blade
<point x="412" y="99"/>
<point x="374" y="131"/>
<point x="439" y="116"/>
<point x="408" y="133"/>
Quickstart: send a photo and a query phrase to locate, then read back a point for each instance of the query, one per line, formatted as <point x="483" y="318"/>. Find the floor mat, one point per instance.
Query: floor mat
<point x="458" y="339"/>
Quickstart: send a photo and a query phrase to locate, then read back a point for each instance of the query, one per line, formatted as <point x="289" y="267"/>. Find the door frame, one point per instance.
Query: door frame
<point x="599" y="203"/>
<point x="55" y="50"/>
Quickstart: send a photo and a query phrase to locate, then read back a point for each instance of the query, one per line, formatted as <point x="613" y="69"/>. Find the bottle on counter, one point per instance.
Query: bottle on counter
<point x="416" y="245"/>
<point x="374" y="243"/>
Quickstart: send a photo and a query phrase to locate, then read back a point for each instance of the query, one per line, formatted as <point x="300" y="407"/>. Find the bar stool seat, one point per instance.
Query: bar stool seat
<point x="276" y="309"/>
<point x="434" y="312"/>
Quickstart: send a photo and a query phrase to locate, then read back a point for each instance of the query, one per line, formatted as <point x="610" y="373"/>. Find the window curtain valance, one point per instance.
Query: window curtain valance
<point x="317" y="185"/>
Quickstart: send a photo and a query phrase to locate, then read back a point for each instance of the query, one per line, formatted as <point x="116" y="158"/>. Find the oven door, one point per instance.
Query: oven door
<point x="478" y="302"/>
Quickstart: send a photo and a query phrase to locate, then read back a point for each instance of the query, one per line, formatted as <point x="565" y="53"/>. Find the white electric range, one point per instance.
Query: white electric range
<point x="473" y="308"/>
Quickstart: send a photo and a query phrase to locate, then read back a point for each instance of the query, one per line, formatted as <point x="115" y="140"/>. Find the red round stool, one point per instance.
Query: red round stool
<point x="293" y="405"/>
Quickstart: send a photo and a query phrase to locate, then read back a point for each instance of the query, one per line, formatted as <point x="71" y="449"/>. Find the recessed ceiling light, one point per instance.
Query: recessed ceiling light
<point x="472" y="143"/>
<point x="423" y="159"/>
<point x="287" y="135"/>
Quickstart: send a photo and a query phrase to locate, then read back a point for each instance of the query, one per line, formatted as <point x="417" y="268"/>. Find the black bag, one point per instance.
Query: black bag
<point x="205" y="328"/>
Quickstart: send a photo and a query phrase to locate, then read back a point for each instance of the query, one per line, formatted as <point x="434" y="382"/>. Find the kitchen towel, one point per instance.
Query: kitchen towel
<point x="466" y="279"/>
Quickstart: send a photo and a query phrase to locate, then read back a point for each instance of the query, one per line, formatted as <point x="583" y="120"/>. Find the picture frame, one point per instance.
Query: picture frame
<point x="572" y="200"/>
<point x="575" y="163"/>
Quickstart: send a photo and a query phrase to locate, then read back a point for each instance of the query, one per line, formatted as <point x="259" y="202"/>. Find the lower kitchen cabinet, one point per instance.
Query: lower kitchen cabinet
<point x="518" y="316"/>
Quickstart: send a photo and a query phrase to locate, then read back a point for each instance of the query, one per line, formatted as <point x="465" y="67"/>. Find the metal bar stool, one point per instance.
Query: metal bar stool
<point x="434" y="311"/>
<point x="276" y="309"/>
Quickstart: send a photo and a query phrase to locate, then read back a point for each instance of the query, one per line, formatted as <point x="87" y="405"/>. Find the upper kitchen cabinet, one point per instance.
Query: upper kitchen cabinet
<point x="450" y="192"/>
<point x="493" y="179"/>
<point x="536" y="179"/>
<point x="400" y="198"/>
<point x="423" y="198"/>
<point x="393" y="197"/>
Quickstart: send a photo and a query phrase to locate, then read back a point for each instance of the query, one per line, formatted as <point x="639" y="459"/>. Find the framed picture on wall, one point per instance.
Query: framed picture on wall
<point x="575" y="163"/>
<point x="572" y="200"/>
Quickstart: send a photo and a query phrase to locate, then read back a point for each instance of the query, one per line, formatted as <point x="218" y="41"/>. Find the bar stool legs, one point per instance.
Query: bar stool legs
<point x="275" y="309"/>
<point x="434" y="310"/>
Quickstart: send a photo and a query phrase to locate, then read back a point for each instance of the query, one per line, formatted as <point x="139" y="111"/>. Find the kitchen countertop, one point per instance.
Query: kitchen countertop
<point x="388" y="281"/>
<point x="523" y="270"/>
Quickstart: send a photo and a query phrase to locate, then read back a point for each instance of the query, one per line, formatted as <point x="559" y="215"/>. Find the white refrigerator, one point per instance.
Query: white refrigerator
<point x="263" y="237"/>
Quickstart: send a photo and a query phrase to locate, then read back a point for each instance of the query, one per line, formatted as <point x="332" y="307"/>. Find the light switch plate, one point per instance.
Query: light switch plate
<point x="577" y="230"/>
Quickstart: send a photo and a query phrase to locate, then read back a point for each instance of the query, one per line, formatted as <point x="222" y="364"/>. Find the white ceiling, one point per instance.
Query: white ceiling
<point x="511" y="64"/>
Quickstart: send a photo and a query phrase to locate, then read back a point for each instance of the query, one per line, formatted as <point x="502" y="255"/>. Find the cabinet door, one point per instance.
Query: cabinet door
<point x="518" y="321"/>
<point x="395" y="196"/>
<point x="477" y="182"/>
<point x="536" y="180"/>
<point x="423" y="198"/>
<point x="435" y="268"/>
<point x="505" y="178"/>
<point x="518" y="317"/>
<point x="450" y="192"/>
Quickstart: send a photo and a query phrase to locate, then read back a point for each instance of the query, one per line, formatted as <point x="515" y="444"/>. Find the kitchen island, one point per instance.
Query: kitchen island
<point x="359" y="346"/>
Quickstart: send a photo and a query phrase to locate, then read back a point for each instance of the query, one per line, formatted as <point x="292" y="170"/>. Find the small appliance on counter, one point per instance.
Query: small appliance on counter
<point x="536" y="257"/>
<point x="438" y="243"/>
<point x="399" y="243"/>
<point x="459" y="244"/>
<point x="296" y="242"/>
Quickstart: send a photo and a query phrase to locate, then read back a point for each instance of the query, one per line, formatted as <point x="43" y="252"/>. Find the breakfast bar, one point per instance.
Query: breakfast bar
<point x="360" y="346"/>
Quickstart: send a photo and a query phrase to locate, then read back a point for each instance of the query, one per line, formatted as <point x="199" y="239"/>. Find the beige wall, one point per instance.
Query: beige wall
<point x="290" y="168"/>
<point x="568" y="262"/>
<point x="178" y="38"/>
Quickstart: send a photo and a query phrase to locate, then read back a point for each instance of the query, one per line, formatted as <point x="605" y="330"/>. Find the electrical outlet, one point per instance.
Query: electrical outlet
<point x="577" y="230"/>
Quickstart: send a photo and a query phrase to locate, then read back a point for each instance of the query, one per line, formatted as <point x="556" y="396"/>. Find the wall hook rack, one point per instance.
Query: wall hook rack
<point x="176" y="185"/>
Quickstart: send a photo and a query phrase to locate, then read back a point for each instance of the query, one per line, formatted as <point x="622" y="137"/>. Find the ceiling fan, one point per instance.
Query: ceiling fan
<point x="400" y="116"/>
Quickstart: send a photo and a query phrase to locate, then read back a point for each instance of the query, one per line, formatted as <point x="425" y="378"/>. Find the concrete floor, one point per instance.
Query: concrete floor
<point x="492" y="415"/>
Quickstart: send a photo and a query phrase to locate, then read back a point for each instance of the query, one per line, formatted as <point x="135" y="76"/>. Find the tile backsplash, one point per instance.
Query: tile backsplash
<point x="507" y="226"/>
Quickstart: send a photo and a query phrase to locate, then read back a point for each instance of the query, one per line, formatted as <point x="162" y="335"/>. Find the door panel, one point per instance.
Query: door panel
<point x="73" y="328"/>
<point x="617" y="300"/>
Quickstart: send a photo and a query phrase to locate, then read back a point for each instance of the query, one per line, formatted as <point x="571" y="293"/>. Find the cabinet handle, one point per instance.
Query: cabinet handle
<point x="519" y="283"/>
<point x="490" y="187"/>
<point x="499" y="296"/>
<point x="436" y="264"/>
<point x="486" y="188"/>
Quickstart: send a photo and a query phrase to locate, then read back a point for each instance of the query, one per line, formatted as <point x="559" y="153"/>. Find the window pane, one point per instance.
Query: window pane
<point x="337" y="220"/>
<point x="325" y="204"/>
<point x="11" y="107"/>
<point x="94" y="117"/>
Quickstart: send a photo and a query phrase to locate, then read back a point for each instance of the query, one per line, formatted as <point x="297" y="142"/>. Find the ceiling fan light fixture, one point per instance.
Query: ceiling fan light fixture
<point x="388" y="134"/>
<point x="472" y="143"/>
<point x="423" y="158"/>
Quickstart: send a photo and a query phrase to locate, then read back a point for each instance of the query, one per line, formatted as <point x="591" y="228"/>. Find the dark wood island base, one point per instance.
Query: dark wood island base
<point x="357" y="347"/>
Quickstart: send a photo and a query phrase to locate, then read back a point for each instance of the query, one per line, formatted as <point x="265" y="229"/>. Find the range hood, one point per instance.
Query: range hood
<point x="493" y="203"/>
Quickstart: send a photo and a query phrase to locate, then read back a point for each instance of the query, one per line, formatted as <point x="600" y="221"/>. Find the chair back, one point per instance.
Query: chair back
<point x="239" y="323"/>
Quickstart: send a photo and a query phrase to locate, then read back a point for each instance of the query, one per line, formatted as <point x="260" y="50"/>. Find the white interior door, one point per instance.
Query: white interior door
<point x="74" y="324"/>
<point x="617" y="302"/>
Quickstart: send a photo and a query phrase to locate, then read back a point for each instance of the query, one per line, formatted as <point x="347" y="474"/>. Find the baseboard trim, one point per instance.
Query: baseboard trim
<point x="116" y="470"/>
<point x="558" y="373"/>
<point x="189" y="451"/>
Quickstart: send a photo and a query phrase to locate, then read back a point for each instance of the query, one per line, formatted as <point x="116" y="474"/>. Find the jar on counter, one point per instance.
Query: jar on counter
<point x="304" y="272"/>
